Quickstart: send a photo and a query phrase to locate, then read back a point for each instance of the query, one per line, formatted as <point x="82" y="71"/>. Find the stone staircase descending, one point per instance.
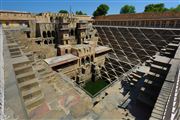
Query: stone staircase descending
<point x="13" y="46"/>
<point x="43" y="71"/>
<point x="26" y="78"/>
<point x="169" y="50"/>
<point x="17" y="48"/>
<point x="163" y="105"/>
<point x="134" y="77"/>
<point x="14" y="51"/>
<point x="154" y="79"/>
<point x="157" y="83"/>
<point x="28" y="85"/>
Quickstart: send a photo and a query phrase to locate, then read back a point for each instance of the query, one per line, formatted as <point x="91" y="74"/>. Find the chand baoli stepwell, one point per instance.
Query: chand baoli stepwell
<point x="66" y="66"/>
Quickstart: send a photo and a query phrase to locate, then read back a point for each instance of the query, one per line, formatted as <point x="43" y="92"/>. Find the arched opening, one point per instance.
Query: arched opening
<point x="83" y="71"/>
<point x="50" y="42"/>
<point x="44" y="34"/>
<point x="86" y="37"/>
<point x="54" y="41"/>
<point x="7" y="23"/>
<point x="92" y="59"/>
<point x="45" y="42"/>
<point x="53" y="33"/>
<point x="73" y="78"/>
<point x="38" y="42"/>
<point x="21" y="24"/>
<point x="49" y="34"/>
<point x="87" y="60"/>
<point x="66" y="41"/>
<point x="28" y="34"/>
<point x="27" y="24"/>
<point x="77" y="79"/>
<point x="51" y="19"/>
<point x="56" y="19"/>
<point x="72" y="32"/>
<point x="66" y="51"/>
<point x="82" y="61"/>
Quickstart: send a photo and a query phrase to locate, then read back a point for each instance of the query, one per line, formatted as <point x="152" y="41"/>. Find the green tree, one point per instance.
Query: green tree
<point x="155" y="8"/>
<point x="176" y="9"/>
<point x="80" y="13"/>
<point x="128" y="9"/>
<point x="101" y="10"/>
<point x="63" y="11"/>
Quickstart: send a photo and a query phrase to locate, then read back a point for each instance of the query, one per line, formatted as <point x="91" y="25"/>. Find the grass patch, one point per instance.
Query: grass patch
<point x="94" y="87"/>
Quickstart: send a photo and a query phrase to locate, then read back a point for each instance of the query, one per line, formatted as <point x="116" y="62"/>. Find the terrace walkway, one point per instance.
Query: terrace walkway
<point x="14" y="108"/>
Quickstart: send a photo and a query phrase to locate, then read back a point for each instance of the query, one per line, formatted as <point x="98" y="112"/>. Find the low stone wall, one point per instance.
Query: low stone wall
<point x="1" y="75"/>
<point x="164" y="15"/>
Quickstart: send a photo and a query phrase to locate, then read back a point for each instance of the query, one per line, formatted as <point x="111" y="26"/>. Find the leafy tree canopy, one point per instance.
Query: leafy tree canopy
<point x="127" y="9"/>
<point x="176" y="9"/>
<point x="155" y="8"/>
<point x="101" y="10"/>
<point x="63" y="11"/>
<point x="80" y="13"/>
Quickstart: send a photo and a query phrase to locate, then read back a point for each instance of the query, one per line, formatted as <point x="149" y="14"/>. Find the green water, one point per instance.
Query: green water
<point x="94" y="87"/>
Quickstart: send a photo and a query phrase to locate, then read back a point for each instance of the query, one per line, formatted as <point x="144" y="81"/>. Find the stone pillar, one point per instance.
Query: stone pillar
<point x="32" y="26"/>
<point x="93" y="70"/>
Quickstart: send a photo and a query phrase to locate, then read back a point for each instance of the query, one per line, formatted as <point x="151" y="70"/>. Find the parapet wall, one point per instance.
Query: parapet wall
<point x="1" y="75"/>
<point x="164" y="20"/>
<point x="16" y="16"/>
<point x="117" y="17"/>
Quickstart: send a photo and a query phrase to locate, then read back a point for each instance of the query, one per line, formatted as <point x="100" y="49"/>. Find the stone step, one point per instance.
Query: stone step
<point x="28" y="82"/>
<point x="22" y="67"/>
<point x="30" y="91"/>
<point x="153" y="83"/>
<point x="15" y="56"/>
<point x="15" y="53"/>
<point x="158" y="69"/>
<point x="33" y="100"/>
<point x="21" y="64"/>
<point x="153" y="75"/>
<point x="25" y="75"/>
<point x="47" y="75"/>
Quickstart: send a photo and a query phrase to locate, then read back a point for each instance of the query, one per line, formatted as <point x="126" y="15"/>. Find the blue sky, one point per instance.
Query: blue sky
<point x="87" y="6"/>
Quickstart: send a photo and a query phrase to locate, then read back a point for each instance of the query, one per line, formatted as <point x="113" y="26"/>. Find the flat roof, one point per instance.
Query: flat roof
<point x="64" y="46"/>
<point x="101" y="49"/>
<point x="59" y="60"/>
<point x="80" y="46"/>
